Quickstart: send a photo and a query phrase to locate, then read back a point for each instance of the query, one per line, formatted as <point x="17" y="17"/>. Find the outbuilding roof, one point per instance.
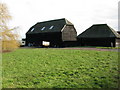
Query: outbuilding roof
<point x="99" y="31"/>
<point x="49" y="26"/>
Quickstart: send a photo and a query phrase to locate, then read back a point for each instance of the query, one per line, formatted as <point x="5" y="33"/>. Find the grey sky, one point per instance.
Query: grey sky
<point x="82" y="13"/>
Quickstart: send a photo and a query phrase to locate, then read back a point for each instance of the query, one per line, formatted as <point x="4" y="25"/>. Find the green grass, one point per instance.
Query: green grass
<point x="57" y="68"/>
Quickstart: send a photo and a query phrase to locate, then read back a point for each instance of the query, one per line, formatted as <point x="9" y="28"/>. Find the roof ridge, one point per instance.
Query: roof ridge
<point x="98" y="24"/>
<point x="68" y="22"/>
<point x="52" y="20"/>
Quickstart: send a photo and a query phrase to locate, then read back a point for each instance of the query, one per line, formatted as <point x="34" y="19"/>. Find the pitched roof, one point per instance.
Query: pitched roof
<point x="99" y="31"/>
<point x="49" y="26"/>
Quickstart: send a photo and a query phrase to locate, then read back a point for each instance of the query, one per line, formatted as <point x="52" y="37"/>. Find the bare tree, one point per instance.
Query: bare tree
<point x="8" y="38"/>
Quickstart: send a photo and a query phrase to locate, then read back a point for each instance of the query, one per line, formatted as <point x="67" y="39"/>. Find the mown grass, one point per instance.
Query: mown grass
<point x="58" y="68"/>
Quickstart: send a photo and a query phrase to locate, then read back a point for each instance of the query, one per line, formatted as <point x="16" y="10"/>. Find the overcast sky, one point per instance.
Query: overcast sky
<point x="82" y="13"/>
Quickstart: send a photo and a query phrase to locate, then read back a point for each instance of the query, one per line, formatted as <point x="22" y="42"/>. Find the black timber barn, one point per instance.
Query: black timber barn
<point x="58" y="33"/>
<point x="99" y="35"/>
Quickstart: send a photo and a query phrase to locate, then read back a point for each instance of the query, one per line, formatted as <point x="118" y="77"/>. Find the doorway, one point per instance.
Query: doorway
<point x="45" y="43"/>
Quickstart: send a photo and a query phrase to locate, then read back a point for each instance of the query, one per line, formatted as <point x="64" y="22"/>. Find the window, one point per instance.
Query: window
<point x="51" y="27"/>
<point x="32" y="29"/>
<point x="43" y="28"/>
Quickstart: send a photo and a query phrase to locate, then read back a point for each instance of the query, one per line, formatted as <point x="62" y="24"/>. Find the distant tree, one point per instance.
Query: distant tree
<point x="8" y="39"/>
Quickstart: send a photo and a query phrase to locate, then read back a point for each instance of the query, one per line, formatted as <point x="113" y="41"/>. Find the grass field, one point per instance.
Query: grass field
<point x="60" y="68"/>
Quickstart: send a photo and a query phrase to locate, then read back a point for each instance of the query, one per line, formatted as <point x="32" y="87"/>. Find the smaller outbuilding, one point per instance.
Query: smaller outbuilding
<point x="99" y="35"/>
<point x="22" y="42"/>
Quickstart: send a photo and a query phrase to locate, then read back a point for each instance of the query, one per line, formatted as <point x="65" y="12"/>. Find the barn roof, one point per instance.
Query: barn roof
<point x="99" y="31"/>
<point x="49" y="26"/>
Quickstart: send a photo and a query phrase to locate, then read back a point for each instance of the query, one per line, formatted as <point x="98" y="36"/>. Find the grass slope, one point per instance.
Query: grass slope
<point x="56" y="68"/>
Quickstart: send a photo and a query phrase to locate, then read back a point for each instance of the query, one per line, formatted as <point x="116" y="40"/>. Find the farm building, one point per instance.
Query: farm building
<point x="22" y="42"/>
<point x="99" y="35"/>
<point x="55" y="33"/>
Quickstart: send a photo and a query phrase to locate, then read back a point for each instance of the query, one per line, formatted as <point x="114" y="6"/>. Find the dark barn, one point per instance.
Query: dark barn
<point x="99" y="35"/>
<point x="58" y="33"/>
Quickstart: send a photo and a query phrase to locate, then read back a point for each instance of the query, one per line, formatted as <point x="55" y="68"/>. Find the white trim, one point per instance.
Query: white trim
<point x="51" y="27"/>
<point x="42" y="28"/>
<point x="63" y="28"/>
<point x="32" y="29"/>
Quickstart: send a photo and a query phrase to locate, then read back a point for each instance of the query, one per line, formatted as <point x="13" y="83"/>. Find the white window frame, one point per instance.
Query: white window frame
<point x="51" y="27"/>
<point x="42" y="28"/>
<point x="32" y="29"/>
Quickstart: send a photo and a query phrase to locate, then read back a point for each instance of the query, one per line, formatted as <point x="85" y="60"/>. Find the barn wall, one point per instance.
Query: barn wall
<point x="69" y="33"/>
<point x="32" y="39"/>
<point x="105" y="42"/>
<point x="37" y="39"/>
<point x="118" y="42"/>
<point x="70" y="44"/>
